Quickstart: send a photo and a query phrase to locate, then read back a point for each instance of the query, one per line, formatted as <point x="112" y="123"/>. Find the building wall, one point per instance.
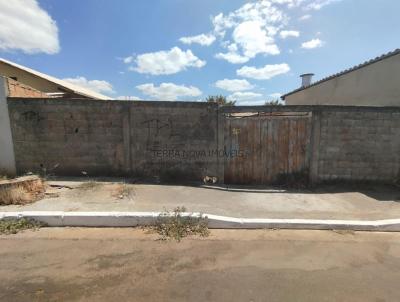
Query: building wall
<point x="7" y="159"/>
<point x="17" y="89"/>
<point x="373" y="85"/>
<point x="28" y="78"/>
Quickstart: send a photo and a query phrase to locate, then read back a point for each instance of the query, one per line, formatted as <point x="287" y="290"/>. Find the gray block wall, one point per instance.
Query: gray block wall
<point x="173" y="140"/>
<point x="68" y="137"/>
<point x="178" y="140"/>
<point x="359" y="145"/>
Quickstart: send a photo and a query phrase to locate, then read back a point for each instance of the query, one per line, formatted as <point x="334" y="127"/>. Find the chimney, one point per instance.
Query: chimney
<point x="306" y="79"/>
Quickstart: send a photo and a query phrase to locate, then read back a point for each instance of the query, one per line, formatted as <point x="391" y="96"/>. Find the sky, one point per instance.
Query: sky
<point x="186" y="50"/>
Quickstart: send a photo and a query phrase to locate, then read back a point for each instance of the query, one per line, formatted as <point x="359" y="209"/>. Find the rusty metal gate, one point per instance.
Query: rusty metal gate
<point x="262" y="148"/>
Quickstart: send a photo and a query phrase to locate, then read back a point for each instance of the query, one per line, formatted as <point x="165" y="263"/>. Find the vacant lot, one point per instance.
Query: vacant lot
<point x="129" y="265"/>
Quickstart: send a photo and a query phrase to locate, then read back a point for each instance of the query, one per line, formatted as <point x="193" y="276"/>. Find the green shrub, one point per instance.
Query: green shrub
<point x="13" y="226"/>
<point x="175" y="226"/>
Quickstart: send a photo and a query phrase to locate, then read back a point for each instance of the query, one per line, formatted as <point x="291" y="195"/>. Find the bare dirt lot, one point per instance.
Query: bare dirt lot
<point x="128" y="265"/>
<point x="324" y="202"/>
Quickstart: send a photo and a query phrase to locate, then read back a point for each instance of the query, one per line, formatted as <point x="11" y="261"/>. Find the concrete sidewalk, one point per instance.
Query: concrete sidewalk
<point x="328" y="202"/>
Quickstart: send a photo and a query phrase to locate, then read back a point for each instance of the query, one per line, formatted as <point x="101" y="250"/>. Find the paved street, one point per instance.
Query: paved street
<point x="262" y="265"/>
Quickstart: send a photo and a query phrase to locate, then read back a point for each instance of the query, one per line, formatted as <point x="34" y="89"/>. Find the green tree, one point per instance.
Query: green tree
<point x="220" y="100"/>
<point x="273" y="103"/>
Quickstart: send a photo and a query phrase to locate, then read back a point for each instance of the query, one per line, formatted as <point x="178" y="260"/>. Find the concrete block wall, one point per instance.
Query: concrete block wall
<point x="67" y="137"/>
<point x="359" y="145"/>
<point x="173" y="140"/>
<point x="151" y="139"/>
<point x="179" y="140"/>
<point x="7" y="158"/>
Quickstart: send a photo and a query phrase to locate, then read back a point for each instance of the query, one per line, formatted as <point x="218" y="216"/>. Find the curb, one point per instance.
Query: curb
<point x="131" y="219"/>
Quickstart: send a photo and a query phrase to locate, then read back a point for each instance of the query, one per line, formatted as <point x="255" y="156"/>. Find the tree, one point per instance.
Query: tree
<point x="220" y="100"/>
<point x="273" y="103"/>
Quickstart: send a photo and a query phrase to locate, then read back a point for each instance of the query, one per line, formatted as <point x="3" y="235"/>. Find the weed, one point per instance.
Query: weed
<point x="176" y="226"/>
<point x="13" y="226"/>
<point x="21" y="191"/>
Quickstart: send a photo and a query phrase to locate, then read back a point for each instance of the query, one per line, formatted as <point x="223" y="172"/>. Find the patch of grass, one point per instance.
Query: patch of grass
<point x="14" y="195"/>
<point x="176" y="226"/>
<point x="89" y="185"/>
<point x="13" y="226"/>
<point x="22" y="192"/>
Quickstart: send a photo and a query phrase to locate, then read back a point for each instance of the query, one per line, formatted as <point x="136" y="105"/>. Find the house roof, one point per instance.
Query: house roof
<point x="362" y="65"/>
<point x="64" y="84"/>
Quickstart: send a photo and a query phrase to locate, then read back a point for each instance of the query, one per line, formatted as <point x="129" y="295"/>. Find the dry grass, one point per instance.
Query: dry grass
<point x="18" y="192"/>
<point x="176" y="226"/>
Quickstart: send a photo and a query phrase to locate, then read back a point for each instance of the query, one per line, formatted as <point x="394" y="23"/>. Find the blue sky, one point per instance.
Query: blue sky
<point x="250" y="51"/>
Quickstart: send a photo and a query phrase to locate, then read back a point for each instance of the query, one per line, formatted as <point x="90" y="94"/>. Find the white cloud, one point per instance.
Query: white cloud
<point x="289" y="33"/>
<point x="254" y="39"/>
<point x="167" y="62"/>
<point x="254" y="26"/>
<point x="234" y="85"/>
<point x="244" y="96"/>
<point x="265" y="73"/>
<point x="168" y="91"/>
<point x="128" y="60"/>
<point x="221" y="24"/>
<point x="232" y="57"/>
<point x="204" y="40"/>
<point x="95" y="85"/>
<point x="25" y="26"/>
<point x="314" y="43"/>
<point x="305" y="17"/>
<point x="318" y="4"/>
<point x="276" y="95"/>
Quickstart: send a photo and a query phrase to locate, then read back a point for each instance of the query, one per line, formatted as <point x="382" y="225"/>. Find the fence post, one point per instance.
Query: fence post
<point x="126" y="130"/>
<point x="315" y="141"/>
<point x="220" y="144"/>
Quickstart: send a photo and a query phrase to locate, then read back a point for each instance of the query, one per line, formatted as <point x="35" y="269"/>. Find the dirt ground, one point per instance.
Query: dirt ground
<point x="128" y="265"/>
<point x="325" y="202"/>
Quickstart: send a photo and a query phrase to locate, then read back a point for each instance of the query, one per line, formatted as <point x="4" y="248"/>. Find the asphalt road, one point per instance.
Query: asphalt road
<point x="237" y="265"/>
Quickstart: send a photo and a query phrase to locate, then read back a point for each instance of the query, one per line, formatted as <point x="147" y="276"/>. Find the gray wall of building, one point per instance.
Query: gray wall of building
<point x="178" y="140"/>
<point x="7" y="159"/>
<point x="376" y="84"/>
